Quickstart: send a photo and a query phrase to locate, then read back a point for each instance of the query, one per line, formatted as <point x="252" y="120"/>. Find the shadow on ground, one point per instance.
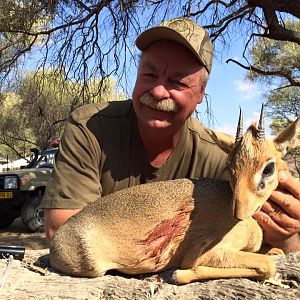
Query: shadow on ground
<point x="16" y="235"/>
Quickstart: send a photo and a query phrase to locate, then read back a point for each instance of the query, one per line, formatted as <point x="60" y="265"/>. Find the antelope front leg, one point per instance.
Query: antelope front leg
<point x="227" y="264"/>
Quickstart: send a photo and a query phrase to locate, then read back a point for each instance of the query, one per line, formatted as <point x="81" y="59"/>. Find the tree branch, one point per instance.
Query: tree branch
<point x="275" y="30"/>
<point x="282" y="74"/>
<point x="91" y="13"/>
<point x="288" y="6"/>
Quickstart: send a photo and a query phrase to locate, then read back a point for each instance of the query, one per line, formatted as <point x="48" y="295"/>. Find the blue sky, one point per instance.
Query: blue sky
<point x="229" y="89"/>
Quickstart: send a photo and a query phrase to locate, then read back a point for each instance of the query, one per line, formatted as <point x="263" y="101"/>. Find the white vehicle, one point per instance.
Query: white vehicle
<point x="21" y="191"/>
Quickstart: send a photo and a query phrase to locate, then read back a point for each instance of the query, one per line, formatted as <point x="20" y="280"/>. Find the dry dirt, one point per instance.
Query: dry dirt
<point x="33" y="279"/>
<point x="16" y="235"/>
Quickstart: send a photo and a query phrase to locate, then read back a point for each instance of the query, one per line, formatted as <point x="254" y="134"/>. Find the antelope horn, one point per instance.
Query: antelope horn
<point x="239" y="131"/>
<point x="261" y="125"/>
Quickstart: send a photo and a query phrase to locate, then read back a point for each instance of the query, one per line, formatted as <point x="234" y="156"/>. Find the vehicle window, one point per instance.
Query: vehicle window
<point x="47" y="157"/>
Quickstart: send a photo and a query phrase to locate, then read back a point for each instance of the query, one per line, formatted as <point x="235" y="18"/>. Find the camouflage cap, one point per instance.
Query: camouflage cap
<point x="183" y="31"/>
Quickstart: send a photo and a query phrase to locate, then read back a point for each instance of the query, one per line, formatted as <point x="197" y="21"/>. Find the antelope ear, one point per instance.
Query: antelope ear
<point x="289" y="138"/>
<point x="223" y="140"/>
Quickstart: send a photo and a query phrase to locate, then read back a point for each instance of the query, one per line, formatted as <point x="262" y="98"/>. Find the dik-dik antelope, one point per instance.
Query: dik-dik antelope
<point x="203" y="228"/>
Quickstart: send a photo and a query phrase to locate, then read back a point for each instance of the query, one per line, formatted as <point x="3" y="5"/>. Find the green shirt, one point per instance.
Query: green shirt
<point x="101" y="152"/>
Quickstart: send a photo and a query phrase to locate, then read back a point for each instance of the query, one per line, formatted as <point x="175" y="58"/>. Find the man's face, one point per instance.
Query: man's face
<point x="170" y="71"/>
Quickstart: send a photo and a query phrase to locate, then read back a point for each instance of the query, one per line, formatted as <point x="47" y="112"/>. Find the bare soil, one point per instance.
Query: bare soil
<point x="16" y="235"/>
<point x="33" y="278"/>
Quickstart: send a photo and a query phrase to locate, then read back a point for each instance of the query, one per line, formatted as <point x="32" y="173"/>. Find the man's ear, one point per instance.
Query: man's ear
<point x="223" y="140"/>
<point x="200" y="100"/>
<point x="202" y="93"/>
<point x="289" y="138"/>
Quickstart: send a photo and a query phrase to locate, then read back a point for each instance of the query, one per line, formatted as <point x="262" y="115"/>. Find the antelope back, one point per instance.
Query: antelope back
<point x="254" y="163"/>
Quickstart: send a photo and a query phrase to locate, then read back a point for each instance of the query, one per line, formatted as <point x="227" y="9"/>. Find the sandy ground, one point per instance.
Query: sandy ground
<point x="16" y="235"/>
<point x="32" y="279"/>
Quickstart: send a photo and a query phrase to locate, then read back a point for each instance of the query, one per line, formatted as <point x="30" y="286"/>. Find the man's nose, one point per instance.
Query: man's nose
<point x="160" y="92"/>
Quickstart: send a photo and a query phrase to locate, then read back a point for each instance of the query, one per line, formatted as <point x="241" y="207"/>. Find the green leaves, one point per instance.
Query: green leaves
<point x="277" y="56"/>
<point x="283" y="89"/>
<point x="42" y="102"/>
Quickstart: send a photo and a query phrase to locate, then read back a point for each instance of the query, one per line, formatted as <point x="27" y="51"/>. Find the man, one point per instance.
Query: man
<point x="108" y="147"/>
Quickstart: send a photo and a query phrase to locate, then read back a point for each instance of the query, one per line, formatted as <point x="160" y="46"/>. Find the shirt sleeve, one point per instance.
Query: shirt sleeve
<point x="75" y="180"/>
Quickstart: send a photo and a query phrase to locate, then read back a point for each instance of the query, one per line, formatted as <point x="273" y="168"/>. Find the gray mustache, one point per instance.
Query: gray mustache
<point x="167" y="105"/>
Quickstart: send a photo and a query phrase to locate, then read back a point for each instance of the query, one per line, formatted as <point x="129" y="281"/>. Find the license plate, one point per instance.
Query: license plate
<point x="6" y="195"/>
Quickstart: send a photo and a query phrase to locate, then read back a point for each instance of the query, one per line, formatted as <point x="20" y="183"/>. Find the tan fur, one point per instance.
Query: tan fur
<point x="197" y="226"/>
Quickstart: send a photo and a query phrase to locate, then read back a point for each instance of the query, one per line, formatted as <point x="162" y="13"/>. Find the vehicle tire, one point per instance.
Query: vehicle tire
<point x="33" y="216"/>
<point x="6" y="221"/>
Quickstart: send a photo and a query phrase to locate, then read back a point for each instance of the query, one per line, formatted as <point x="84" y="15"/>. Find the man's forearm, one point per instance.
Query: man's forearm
<point x="54" y="218"/>
<point x="291" y="245"/>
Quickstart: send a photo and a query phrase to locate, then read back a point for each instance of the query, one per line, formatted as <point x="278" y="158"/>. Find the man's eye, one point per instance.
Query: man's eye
<point x="149" y="75"/>
<point x="179" y="83"/>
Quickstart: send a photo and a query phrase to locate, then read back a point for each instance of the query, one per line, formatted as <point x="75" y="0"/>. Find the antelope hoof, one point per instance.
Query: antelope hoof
<point x="275" y="251"/>
<point x="182" y="276"/>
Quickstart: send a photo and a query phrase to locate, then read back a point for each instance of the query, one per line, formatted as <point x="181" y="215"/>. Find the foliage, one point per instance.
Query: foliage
<point x="15" y="135"/>
<point x="87" y="39"/>
<point x="281" y="61"/>
<point x="94" y="38"/>
<point x="48" y="99"/>
<point x="284" y="103"/>
<point x="277" y="59"/>
<point x="21" y="16"/>
<point x="41" y="104"/>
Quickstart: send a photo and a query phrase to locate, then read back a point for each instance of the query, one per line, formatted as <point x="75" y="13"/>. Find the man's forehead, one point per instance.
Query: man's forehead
<point x="174" y="46"/>
<point x="174" y="69"/>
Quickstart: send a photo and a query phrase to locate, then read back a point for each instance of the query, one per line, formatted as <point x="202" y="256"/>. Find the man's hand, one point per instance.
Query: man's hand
<point x="54" y="218"/>
<point x="280" y="215"/>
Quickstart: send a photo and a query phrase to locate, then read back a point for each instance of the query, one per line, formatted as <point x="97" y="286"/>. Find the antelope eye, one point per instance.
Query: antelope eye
<point x="269" y="169"/>
<point x="262" y="185"/>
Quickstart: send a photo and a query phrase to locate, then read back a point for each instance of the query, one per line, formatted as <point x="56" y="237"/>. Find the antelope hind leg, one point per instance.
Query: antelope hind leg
<point x="227" y="264"/>
<point x="204" y="273"/>
<point x="265" y="249"/>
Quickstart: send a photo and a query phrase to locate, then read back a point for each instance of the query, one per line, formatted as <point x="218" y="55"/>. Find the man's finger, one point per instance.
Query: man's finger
<point x="268" y="224"/>
<point x="279" y="216"/>
<point x="290" y="183"/>
<point x="286" y="202"/>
